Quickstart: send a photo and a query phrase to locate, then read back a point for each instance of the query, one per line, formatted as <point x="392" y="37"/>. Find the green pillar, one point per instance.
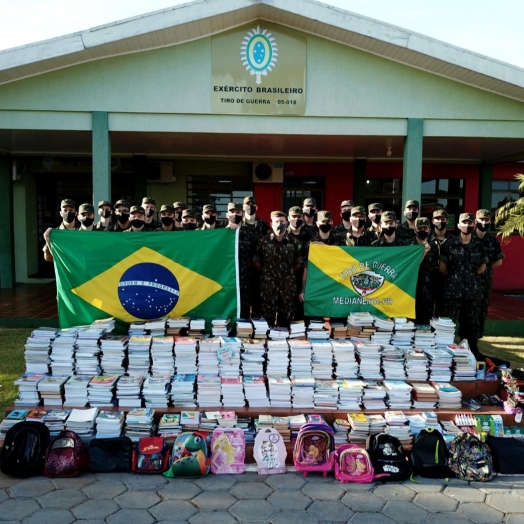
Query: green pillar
<point x="359" y="182"/>
<point x="101" y="157"/>
<point x="412" y="169"/>
<point x="485" y="186"/>
<point x="7" y="259"/>
<point x="140" y="178"/>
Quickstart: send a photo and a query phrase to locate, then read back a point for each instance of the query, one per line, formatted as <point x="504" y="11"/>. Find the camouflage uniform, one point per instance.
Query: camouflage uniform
<point x="116" y="228"/>
<point x="373" y="233"/>
<point x="404" y="231"/>
<point x="382" y="242"/>
<point x="463" y="291"/>
<point x="363" y="240"/>
<point x="154" y="224"/>
<point x="278" y="260"/>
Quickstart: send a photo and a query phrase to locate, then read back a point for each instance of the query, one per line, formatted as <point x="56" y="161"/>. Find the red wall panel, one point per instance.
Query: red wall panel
<point x="509" y="276"/>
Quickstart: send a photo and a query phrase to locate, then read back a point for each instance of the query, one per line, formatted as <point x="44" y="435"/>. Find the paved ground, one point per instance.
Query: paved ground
<point x="286" y="499"/>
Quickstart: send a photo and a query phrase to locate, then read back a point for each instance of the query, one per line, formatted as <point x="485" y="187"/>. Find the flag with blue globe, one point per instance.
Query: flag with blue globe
<point x="259" y="52"/>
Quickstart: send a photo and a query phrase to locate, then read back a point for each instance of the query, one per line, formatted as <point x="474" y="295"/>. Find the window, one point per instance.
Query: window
<point x="443" y="192"/>
<point x="296" y="189"/>
<point x="503" y="191"/>
<point x="385" y="191"/>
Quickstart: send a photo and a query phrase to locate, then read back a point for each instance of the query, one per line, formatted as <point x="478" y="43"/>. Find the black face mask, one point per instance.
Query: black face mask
<point x="412" y="215"/>
<point x="310" y="212"/>
<point x="178" y="216"/>
<point x="167" y="221"/>
<point x="388" y="231"/>
<point x="299" y="223"/>
<point x="361" y="223"/>
<point x="469" y="230"/>
<point x="238" y="219"/>
<point x="376" y="219"/>
<point x="422" y="234"/>
<point x="68" y="216"/>
<point x="150" y="212"/>
<point x="137" y="223"/>
<point x="440" y="226"/>
<point x="325" y="228"/>
<point x="346" y="215"/>
<point x="252" y="210"/>
<point x="281" y="228"/>
<point x="211" y="219"/>
<point x="88" y="222"/>
<point x="189" y="226"/>
<point x="483" y="227"/>
<point x="123" y="218"/>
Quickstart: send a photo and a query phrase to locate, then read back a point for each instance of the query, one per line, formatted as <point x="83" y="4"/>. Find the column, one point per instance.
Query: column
<point x="359" y="182"/>
<point x="7" y="265"/>
<point x="101" y="157"/>
<point x="412" y="169"/>
<point x="485" y="186"/>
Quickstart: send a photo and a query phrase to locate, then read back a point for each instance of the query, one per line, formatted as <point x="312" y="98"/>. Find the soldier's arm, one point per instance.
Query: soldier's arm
<point x="497" y="263"/>
<point x="443" y="267"/>
<point x="303" y="290"/>
<point x="481" y="268"/>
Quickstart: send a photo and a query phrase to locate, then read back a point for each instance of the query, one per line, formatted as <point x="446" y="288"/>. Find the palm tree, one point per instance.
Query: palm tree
<point x="510" y="217"/>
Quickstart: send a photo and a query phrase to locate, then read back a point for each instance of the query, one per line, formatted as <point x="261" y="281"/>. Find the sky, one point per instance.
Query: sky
<point x="488" y="27"/>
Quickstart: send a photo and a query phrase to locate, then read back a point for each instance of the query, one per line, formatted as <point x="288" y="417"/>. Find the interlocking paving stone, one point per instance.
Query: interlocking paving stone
<point x="214" y="500"/>
<point x="516" y="518"/>
<point x="113" y="477"/>
<point x="402" y="512"/>
<point x="251" y="490"/>
<point x="253" y="510"/>
<point x="294" y="517"/>
<point x="51" y="516"/>
<point x="424" y="485"/>
<point x="394" y="492"/>
<point x="364" y="502"/>
<point x="289" y="500"/>
<point x="90" y="521"/>
<point x="6" y="482"/>
<point x="446" y="518"/>
<point x="145" y="482"/>
<point x="480" y="513"/>
<point x="371" y="518"/>
<point x="136" y="516"/>
<point x="330" y="511"/>
<point x="32" y="488"/>
<point x="171" y="509"/>
<point x="506" y="502"/>
<point x="179" y="489"/>
<point x="319" y="478"/>
<point x="214" y="517"/>
<point x="250" y="476"/>
<point x="436" y="502"/>
<point x="286" y="481"/>
<point x="352" y="486"/>
<point x="3" y="495"/>
<point x="95" y="509"/>
<point x="137" y="499"/>
<point x="18" y="509"/>
<point x="105" y="490"/>
<point x="465" y="493"/>
<point x="220" y="482"/>
<point x="61" y="498"/>
<point x="76" y="482"/>
<point x="323" y="491"/>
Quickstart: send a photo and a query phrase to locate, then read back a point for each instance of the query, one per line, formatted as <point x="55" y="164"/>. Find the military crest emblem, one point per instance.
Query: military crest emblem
<point x="259" y="52"/>
<point x="366" y="282"/>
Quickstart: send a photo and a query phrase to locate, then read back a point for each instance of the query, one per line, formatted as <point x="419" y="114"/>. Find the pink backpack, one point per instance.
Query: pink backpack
<point x="228" y="451"/>
<point x="313" y="448"/>
<point x="353" y="464"/>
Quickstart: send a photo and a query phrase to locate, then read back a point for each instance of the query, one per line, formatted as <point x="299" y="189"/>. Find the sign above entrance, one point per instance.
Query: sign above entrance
<point x="258" y="70"/>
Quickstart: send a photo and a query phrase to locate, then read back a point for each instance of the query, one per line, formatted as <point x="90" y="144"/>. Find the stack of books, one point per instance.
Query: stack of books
<point x="156" y="391"/>
<point x="416" y="364"/>
<point x="229" y="357"/>
<point x="322" y="359"/>
<point x="183" y="391"/>
<point x="281" y="424"/>
<point x="261" y="327"/>
<point x="398" y="394"/>
<point x="297" y="329"/>
<point x="209" y="391"/>
<point x="424" y="395"/>
<point x="444" y="331"/>
<point x="82" y="422"/>
<point x="51" y="389"/>
<point x="369" y="358"/>
<point x="326" y="394"/>
<point x="76" y="391"/>
<point x="278" y="333"/>
<point x="244" y="328"/>
<point x="190" y="420"/>
<point x="109" y="424"/>
<point x="317" y="330"/>
<point x="36" y="415"/>
<point x="177" y="326"/>
<point x="303" y="392"/>
<point x="185" y="355"/>
<point x="392" y="363"/>
<point x="359" y="432"/>
<point x="87" y="354"/>
<point x="16" y="416"/>
<point x="341" y="428"/>
<point x="255" y="391"/>
<point x="424" y="337"/>
<point x="403" y="333"/>
<point x="253" y="356"/>
<point x="339" y="330"/>
<point x="220" y="327"/>
<point x="28" y="389"/>
<point x="384" y="331"/>
<point x="103" y="326"/>
<point x="277" y="358"/>
<point x="300" y="358"/>
<point x="140" y="423"/>
<point x="156" y="327"/>
<point x="232" y="392"/>
<point x="55" y="420"/>
<point x="169" y="427"/>
<point x="279" y="391"/>
<point x="350" y="392"/>
<point x="37" y="348"/>
<point x="114" y="351"/>
<point x="361" y="326"/>
<point x="416" y="424"/>
<point x="138" y="355"/>
<point x="129" y="391"/>
<point x="137" y="329"/>
<point x="101" y="391"/>
<point x="61" y="359"/>
<point x="162" y="361"/>
<point x="374" y="395"/>
<point x="295" y="423"/>
<point x="197" y="327"/>
<point x="464" y="367"/>
<point x="208" y="355"/>
<point x="439" y="364"/>
<point x="449" y="397"/>
<point x="344" y="362"/>
<point x="397" y="426"/>
<point x="377" y="424"/>
<point x="431" y="420"/>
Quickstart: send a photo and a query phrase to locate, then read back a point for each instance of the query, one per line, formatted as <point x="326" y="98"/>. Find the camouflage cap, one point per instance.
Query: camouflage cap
<point x="148" y="200"/>
<point x="358" y="209"/>
<point x="209" y="207"/>
<point x="234" y="205"/>
<point x="180" y="205"/>
<point x="440" y="213"/>
<point x="123" y="203"/>
<point x="324" y="215"/>
<point x="421" y="222"/>
<point x="413" y="203"/>
<point x="295" y="210"/>
<point x="310" y="202"/>
<point x="388" y="215"/>
<point x="68" y="202"/>
<point x="167" y="207"/>
<point x="250" y="198"/>
<point x="137" y="209"/>
<point x="86" y="208"/>
<point x="466" y="216"/>
<point x="104" y="203"/>
<point x="188" y="213"/>
<point x="346" y="203"/>
<point x="483" y="213"/>
<point x="277" y="214"/>
<point x="375" y="206"/>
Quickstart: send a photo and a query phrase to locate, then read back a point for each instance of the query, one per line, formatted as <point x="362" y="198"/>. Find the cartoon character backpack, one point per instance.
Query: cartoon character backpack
<point x="150" y="456"/>
<point x="313" y="448"/>
<point x="388" y="456"/>
<point x="190" y="456"/>
<point x="66" y="456"/>
<point x="270" y="452"/>
<point x="353" y="464"/>
<point x="470" y="459"/>
<point x="429" y="455"/>
<point x="228" y="451"/>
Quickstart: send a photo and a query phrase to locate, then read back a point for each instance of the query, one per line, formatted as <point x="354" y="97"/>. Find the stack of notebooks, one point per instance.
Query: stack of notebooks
<point x="377" y="424"/>
<point x="303" y="392"/>
<point x="51" y="389"/>
<point x="244" y="328"/>
<point x="374" y="396"/>
<point x="424" y="395"/>
<point x="384" y="330"/>
<point x="190" y="420"/>
<point x="209" y="391"/>
<point x="28" y="389"/>
<point x="103" y="326"/>
<point x="253" y="356"/>
<point x="361" y="326"/>
<point x="277" y="358"/>
<point x="439" y="363"/>
<point x="281" y="424"/>
<point x="138" y="355"/>
<point x="322" y="359"/>
<point x="156" y="327"/>
<point x="397" y="426"/>
<point x="61" y="359"/>
<point x="398" y="394"/>
<point x="279" y="391"/>
<point x="344" y="362"/>
<point x="300" y="358"/>
<point x="76" y="387"/>
<point x="140" y="423"/>
<point x="444" y="331"/>
<point x="317" y="330"/>
<point x="37" y="348"/>
<point x="369" y="358"/>
<point x="431" y="420"/>
<point x="87" y="354"/>
<point x="109" y="424"/>
<point x="101" y="391"/>
<point x="129" y="391"/>
<point x="220" y="327"/>
<point x="232" y="392"/>
<point x="55" y="420"/>
<point x="326" y="394"/>
<point x="449" y="397"/>
<point x="82" y="422"/>
<point x="341" y="428"/>
<point x="114" y="350"/>
<point x="297" y="329"/>
<point x="177" y="326"/>
<point x="403" y="333"/>
<point x="169" y="427"/>
<point x="392" y="363"/>
<point x="359" y="431"/>
<point x="416" y="424"/>
<point x="339" y="330"/>
<point x="416" y="364"/>
<point x="295" y="423"/>
<point x="464" y="366"/>
<point x="185" y="355"/>
<point x="183" y="391"/>
<point x="197" y="327"/>
<point x="208" y="355"/>
<point x="137" y="329"/>
<point x="162" y="361"/>
<point x="350" y="393"/>
<point x="261" y="327"/>
<point x="229" y="357"/>
<point x="155" y="391"/>
<point x="278" y="333"/>
<point x="424" y="337"/>
<point x="255" y="391"/>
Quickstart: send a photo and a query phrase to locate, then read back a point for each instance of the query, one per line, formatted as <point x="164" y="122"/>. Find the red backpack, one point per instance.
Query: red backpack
<point x="66" y="456"/>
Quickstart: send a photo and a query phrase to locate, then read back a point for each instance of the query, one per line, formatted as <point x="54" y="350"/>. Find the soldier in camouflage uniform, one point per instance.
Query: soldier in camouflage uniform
<point x="149" y="205"/>
<point x="122" y="223"/>
<point x="179" y="208"/>
<point x="278" y="258"/>
<point x="309" y="209"/>
<point x="357" y="234"/>
<point x="463" y="259"/>
<point x="388" y="236"/>
<point x="374" y="215"/>
<point x="167" y="218"/>
<point x="406" y="230"/>
<point x="105" y="211"/>
<point x="495" y="256"/>
<point x="424" y="301"/>
<point x="345" y="212"/>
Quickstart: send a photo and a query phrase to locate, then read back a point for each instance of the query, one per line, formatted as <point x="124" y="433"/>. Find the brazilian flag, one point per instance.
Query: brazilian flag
<point x="141" y="276"/>
<point x="381" y="281"/>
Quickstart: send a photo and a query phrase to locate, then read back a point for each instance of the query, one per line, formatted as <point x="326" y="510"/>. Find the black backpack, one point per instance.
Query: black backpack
<point x="388" y="456"/>
<point x="24" y="450"/>
<point x="429" y="455"/>
<point x="110" y="455"/>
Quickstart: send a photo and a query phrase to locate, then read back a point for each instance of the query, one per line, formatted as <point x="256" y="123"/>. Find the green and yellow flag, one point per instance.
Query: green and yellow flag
<point x="141" y="276"/>
<point x="382" y="281"/>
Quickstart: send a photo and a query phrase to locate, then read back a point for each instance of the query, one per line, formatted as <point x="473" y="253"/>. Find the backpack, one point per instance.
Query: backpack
<point x="470" y="459"/>
<point x="313" y="448"/>
<point x="190" y="456"/>
<point x="66" y="456"/>
<point x="228" y="451"/>
<point x="151" y="455"/>
<point x="110" y="455"/>
<point x="429" y="455"/>
<point x="353" y="464"/>
<point x="388" y="456"/>
<point x="508" y="455"/>
<point x="24" y="450"/>
<point x="269" y="452"/>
